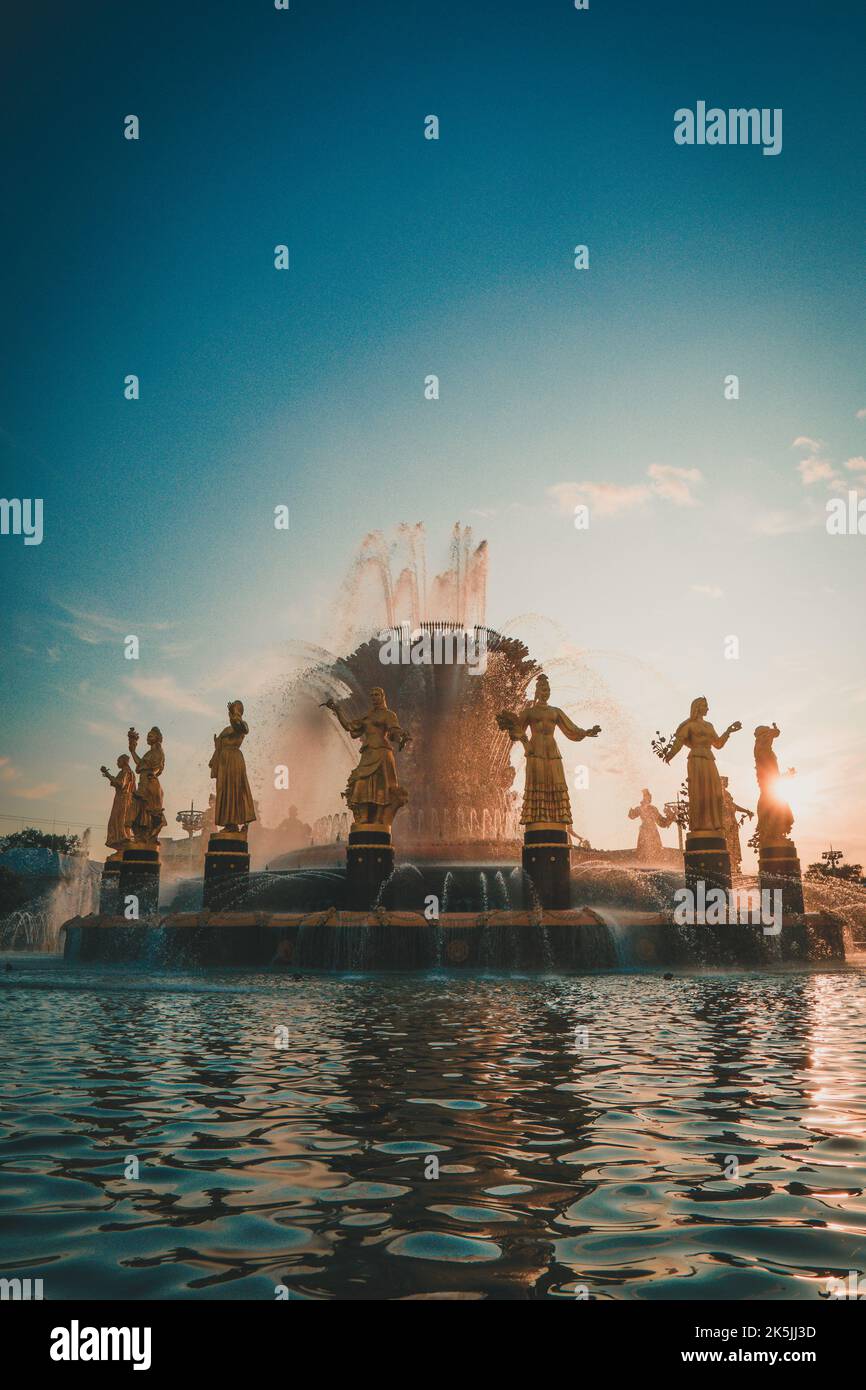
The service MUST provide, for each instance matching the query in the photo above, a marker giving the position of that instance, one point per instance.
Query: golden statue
(119, 833)
(372, 791)
(649, 841)
(706, 802)
(775, 817)
(545, 797)
(732, 826)
(233, 809)
(148, 816)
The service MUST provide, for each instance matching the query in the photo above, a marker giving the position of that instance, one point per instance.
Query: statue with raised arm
(118, 833)
(775, 817)
(706, 802)
(373, 792)
(233, 808)
(732, 826)
(148, 815)
(545, 797)
(649, 841)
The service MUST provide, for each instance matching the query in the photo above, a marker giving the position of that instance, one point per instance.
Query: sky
(410, 257)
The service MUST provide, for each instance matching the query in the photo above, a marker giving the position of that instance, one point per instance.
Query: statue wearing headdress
(545, 797)
(373, 792)
(233, 808)
(732, 826)
(775, 817)
(148, 815)
(649, 842)
(706, 802)
(119, 833)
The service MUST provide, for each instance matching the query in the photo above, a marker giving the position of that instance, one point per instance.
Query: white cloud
(605, 499)
(107, 731)
(856, 465)
(804, 442)
(708, 590)
(675, 484)
(164, 690)
(9, 773)
(784, 523)
(39, 792)
(97, 628)
(609, 499)
(815, 470)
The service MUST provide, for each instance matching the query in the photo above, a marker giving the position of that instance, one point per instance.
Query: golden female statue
(775, 817)
(706, 802)
(148, 816)
(649, 841)
(233, 809)
(732, 826)
(372, 791)
(545, 798)
(118, 833)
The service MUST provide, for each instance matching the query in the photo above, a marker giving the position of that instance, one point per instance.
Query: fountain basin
(572, 940)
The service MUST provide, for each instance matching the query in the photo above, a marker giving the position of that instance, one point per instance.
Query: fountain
(58, 887)
(433, 869)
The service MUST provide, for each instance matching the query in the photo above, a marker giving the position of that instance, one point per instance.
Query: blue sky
(409, 257)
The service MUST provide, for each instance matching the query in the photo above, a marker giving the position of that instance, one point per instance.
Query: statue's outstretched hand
(594, 731)
(735, 727)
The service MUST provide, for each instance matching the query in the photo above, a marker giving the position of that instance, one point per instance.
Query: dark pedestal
(139, 879)
(707, 861)
(226, 868)
(779, 868)
(547, 861)
(109, 888)
(369, 861)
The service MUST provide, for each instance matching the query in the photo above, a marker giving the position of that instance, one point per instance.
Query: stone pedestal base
(369, 861)
(707, 861)
(779, 867)
(547, 861)
(138, 878)
(226, 868)
(109, 888)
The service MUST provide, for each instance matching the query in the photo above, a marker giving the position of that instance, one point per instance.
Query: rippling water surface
(564, 1159)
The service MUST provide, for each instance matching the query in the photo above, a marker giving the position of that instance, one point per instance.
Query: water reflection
(432, 1136)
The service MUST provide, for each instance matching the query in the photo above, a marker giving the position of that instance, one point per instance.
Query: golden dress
(706, 802)
(649, 841)
(732, 830)
(148, 814)
(118, 833)
(234, 801)
(374, 781)
(545, 797)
